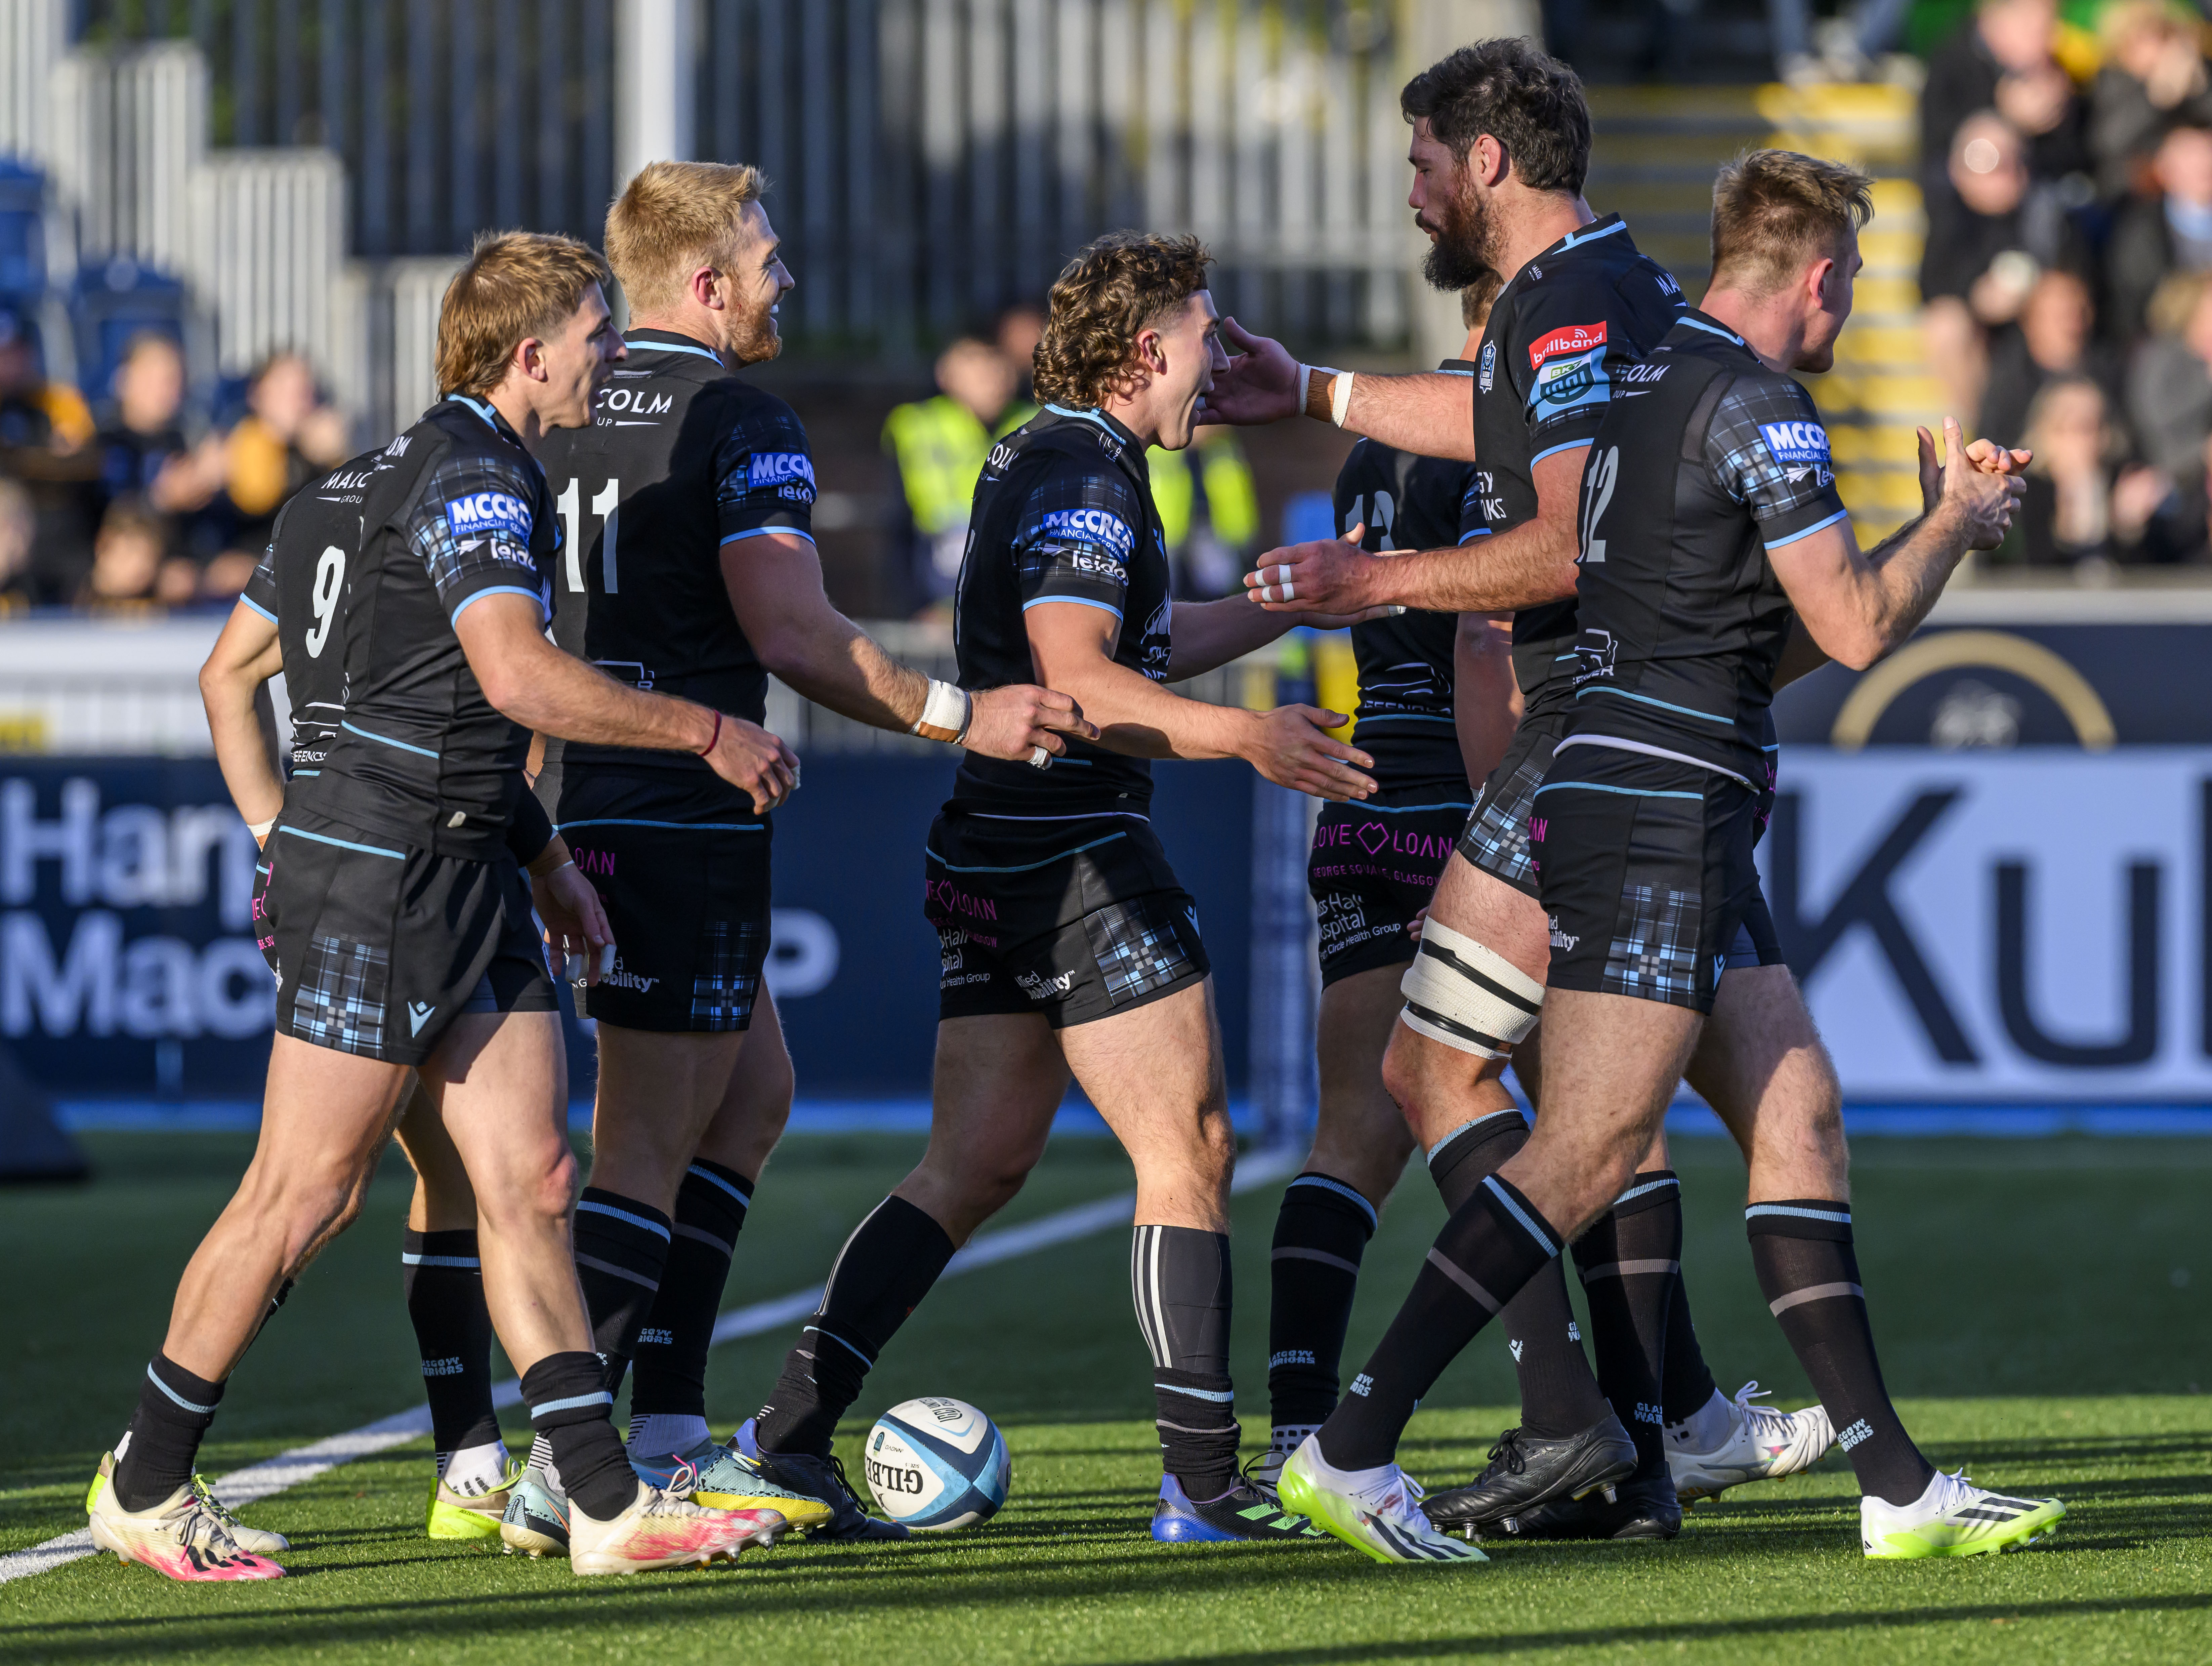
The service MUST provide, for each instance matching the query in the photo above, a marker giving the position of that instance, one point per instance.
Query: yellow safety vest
(1231, 504)
(939, 446)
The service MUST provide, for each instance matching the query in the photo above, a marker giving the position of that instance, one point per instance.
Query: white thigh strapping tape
(1464, 995)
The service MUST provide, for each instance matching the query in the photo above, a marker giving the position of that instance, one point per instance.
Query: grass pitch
(2041, 1306)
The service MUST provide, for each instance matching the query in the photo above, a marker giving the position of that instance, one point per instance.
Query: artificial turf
(2041, 1307)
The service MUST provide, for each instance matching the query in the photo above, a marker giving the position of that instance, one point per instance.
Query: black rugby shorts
(1374, 866)
(1648, 877)
(1076, 920)
(1496, 837)
(687, 900)
(378, 946)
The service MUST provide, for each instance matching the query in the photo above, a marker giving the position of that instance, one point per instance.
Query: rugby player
(402, 929)
(691, 569)
(1500, 149)
(1710, 520)
(285, 622)
(1069, 947)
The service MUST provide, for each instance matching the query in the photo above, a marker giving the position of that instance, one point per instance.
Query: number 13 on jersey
(606, 504)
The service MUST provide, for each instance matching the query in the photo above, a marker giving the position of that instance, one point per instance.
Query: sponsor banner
(2002, 927)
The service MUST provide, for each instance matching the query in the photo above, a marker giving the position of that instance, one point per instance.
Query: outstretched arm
(1429, 413)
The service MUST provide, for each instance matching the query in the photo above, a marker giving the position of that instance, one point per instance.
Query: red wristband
(713, 738)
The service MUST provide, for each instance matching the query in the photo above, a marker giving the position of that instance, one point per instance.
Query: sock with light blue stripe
(1179, 1281)
(157, 1456)
(622, 1248)
(1321, 1234)
(443, 1280)
(1492, 1246)
(669, 1376)
(571, 1408)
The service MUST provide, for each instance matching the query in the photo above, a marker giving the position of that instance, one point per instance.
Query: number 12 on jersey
(1599, 478)
(607, 505)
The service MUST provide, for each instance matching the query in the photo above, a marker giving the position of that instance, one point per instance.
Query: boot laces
(1506, 1456)
(1765, 1422)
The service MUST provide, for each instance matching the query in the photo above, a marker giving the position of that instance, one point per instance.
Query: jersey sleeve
(260, 591)
(1074, 536)
(1475, 514)
(764, 475)
(1767, 449)
(1569, 340)
(471, 523)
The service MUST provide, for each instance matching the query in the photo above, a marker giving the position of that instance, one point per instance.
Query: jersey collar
(670, 341)
(1458, 366)
(1691, 319)
(1100, 419)
(489, 413)
(1605, 226)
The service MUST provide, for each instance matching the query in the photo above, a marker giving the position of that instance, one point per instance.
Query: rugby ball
(935, 1464)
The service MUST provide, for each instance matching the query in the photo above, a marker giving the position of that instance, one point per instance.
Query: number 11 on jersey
(607, 505)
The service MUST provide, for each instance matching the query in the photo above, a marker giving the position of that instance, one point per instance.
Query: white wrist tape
(260, 830)
(1339, 399)
(1467, 997)
(945, 714)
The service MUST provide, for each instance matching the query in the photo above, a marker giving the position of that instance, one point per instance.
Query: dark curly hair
(1114, 287)
(1528, 102)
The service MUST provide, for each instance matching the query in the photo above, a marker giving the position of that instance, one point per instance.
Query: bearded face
(753, 336)
(1464, 235)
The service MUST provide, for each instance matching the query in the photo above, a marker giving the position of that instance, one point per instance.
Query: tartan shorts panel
(342, 993)
(727, 978)
(1143, 945)
(1653, 952)
(1496, 838)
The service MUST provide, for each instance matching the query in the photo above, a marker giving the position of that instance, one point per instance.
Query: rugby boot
(1376, 1512)
(818, 1478)
(1525, 1471)
(1762, 1443)
(662, 1529)
(254, 1541)
(463, 1515)
(1243, 1514)
(1954, 1517)
(725, 1479)
(1644, 1508)
(536, 1522)
(181, 1537)
(1264, 1473)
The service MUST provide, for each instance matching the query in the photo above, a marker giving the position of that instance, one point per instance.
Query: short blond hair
(517, 284)
(673, 218)
(1775, 211)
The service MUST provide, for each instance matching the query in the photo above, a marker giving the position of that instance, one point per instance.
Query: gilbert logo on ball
(934, 1464)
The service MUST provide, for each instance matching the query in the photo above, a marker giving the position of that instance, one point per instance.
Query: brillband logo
(1574, 338)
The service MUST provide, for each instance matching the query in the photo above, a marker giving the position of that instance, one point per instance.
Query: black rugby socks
(1559, 1395)
(1686, 1386)
(157, 1454)
(1321, 1231)
(1490, 1246)
(570, 1410)
(1631, 1259)
(444, 1282)
(1179, 1278)
(1801, 1248)
(670, 1371)
(881, 1274)
(622, 1247)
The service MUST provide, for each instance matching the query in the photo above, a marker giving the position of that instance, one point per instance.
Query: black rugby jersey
(300, 586)
(1560, 335)
(459, 512)
(681, 460)
(1708, 461)
(1406, 662)
(1063, 514)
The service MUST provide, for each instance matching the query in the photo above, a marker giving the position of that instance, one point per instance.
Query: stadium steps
(1653, 158)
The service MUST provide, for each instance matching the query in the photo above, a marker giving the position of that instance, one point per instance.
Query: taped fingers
(1467, 996)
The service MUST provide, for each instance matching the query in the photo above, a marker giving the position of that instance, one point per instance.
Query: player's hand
(1013, 722)
(1984, 454)
(1334, 578)
(747, 756)
(1979, 504)
(1291, 747)
(1416, 925)
(1260, 384)
(577, 929)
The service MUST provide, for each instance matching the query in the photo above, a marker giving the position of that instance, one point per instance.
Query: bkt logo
(1101, 525)
(1795, 442)
(774, 468)
(486, 512)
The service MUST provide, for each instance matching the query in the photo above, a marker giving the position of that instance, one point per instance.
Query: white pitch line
(303, 1463)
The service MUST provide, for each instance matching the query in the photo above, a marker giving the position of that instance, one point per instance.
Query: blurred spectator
(127, 559)
(288, 437)
(2054, 336)
(940, 445)
(1993, 230)
(2004, 60)
(2162, 520)
(19, 527)
(1209, 511)
(44, 430)
(2153, 80)
(2169, 388)
(2066, 520)
(1020, 329)
(2169, 232)
(143, 448)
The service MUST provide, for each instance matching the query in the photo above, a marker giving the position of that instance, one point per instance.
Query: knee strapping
(1467, 996)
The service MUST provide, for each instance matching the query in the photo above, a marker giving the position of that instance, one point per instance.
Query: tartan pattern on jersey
(749, 497)
(340, 999)
(1737, 453)
(1138, 945)
(725, 987)
(1654, 955)
(1496, 837)
(1066, 543)
(461, 564)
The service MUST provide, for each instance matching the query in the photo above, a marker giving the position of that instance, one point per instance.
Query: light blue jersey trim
(420, 752)
(762, 532)
(1341, 1190)
(1024, 867)
(1409, 809)
(1663, 705)
(1480, 531)
(479, 406)
(497, 590)
(703, 827)
(1572, 445)
(1074, 601)
(1619, 792)
(469, 1261)
(1781, 543)
(1081, 417)
(653, 1227)
(673, 347)
(344, 844)
(248, 601)
(1712, 330)
(1575, 240)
